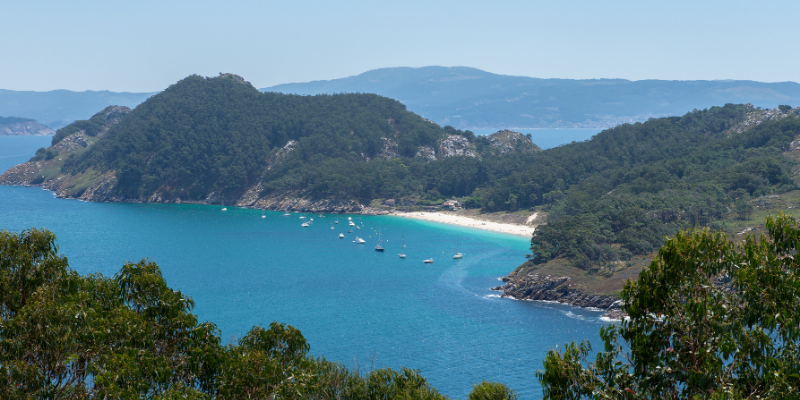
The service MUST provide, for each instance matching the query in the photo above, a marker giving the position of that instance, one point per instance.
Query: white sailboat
(379, 247)
(458, 255)
(403, 252)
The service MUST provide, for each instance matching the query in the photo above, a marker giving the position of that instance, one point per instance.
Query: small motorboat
(341, 236)
(428, 261)
(359, 240)
(351, 223)
(224, 209)
(358, 227)
(350, 231)
(302, 217)
(263, 216)
(331, 226)
(304, 224)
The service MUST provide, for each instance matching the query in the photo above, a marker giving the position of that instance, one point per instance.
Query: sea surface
(365, 309)
(547, 138)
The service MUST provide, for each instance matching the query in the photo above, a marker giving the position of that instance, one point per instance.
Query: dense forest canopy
(206, 134)
(631, 185)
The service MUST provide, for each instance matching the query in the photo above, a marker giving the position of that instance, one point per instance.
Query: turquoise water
(549, 138)
(354, 305)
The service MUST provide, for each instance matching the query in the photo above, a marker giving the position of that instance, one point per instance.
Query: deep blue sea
(353, 305)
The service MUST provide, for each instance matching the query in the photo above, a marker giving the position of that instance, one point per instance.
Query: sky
(144, 46)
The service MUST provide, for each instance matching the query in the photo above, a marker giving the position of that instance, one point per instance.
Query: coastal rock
(557, 288)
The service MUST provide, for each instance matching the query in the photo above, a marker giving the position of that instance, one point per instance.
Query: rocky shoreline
(557, 288)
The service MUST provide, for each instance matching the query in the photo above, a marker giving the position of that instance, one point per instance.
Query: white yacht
(359, 240)
(341, 236)
(428, 261)
(379, 247)
(403, 252)
(304, 224)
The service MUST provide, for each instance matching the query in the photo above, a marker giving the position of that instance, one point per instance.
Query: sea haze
(365, 309)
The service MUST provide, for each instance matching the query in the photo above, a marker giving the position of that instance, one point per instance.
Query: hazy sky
(143, 46)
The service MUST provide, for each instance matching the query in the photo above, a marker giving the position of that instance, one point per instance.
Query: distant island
(602, 206)
(13, 126)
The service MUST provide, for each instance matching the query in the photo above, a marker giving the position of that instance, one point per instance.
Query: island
(596, 211)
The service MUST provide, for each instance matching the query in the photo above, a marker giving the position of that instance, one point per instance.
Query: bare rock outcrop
(426, 153)
(455, 145)
(508, 141)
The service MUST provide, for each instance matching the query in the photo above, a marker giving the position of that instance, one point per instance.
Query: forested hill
(219, 140)
(611, 200)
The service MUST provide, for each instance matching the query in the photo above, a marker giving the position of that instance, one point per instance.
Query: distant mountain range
(58, 108)
(469, 98)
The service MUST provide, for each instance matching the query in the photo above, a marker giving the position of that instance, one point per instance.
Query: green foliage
(91, 126)
(631, 185)
(63, 336)
(491, 391)
(203, 135)
(785, 108)
(708, 319)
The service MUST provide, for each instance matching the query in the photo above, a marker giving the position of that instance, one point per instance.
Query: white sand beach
(446, 218)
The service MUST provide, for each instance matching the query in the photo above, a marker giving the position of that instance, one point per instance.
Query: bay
(365, 309)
